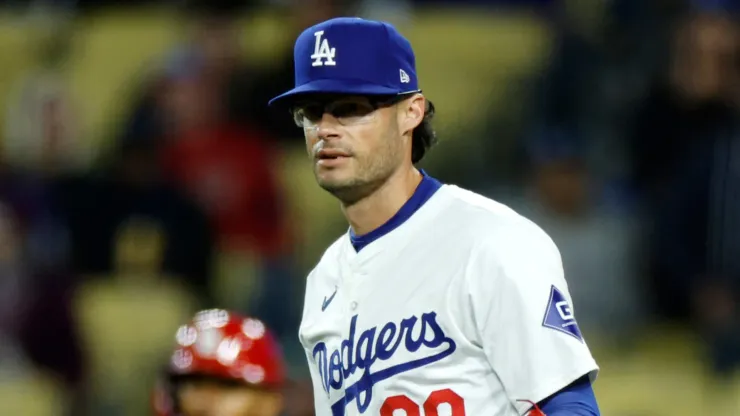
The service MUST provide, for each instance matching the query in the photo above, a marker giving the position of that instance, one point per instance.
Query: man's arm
(321, 403)
(578, 399)
(524, 317)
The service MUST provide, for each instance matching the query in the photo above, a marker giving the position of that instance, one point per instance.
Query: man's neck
(379, 207)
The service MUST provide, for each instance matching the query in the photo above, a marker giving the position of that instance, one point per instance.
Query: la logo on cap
(323, 53)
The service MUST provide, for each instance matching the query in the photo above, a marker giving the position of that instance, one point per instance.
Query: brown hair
(423, 137)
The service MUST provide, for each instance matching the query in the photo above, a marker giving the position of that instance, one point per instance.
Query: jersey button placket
(355, 282)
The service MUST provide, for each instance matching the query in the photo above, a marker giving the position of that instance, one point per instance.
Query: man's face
(356, 143)
(210, 398)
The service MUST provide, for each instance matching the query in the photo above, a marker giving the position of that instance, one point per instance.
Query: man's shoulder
(332, 255)
(503, 244)
(470, 209)
(491, 225)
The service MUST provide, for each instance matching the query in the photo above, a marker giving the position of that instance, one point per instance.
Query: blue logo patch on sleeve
(559, 315)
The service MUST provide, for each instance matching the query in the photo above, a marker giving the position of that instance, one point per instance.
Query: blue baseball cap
(354, 56)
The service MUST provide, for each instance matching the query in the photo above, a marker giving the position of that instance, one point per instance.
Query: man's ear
(411, 113)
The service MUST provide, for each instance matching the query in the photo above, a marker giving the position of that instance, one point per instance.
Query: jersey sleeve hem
(552, 386)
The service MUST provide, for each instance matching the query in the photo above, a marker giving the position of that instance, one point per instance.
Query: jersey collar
(426, 188)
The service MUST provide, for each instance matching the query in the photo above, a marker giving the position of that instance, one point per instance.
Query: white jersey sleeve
(320, 397)
(524, 319)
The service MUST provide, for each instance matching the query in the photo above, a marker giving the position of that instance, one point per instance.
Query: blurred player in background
(437, 300)
(224, 365)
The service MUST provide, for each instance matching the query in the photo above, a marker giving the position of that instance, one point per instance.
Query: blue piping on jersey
(427, 187)
(578, 399)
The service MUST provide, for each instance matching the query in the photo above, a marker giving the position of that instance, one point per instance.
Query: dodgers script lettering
(372, 345)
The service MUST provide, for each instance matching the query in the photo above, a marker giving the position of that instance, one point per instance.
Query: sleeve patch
(559, 315)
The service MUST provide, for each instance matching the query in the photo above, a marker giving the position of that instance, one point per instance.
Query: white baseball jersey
(461, 310)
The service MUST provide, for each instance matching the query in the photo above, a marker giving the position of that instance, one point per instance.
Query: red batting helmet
(224, 345)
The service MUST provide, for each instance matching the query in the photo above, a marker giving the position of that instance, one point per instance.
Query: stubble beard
(369, 175)
(359, 187)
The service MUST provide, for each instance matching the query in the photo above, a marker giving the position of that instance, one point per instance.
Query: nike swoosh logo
(326, 302)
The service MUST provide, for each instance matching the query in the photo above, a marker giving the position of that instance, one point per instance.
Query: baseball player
(437, 301)
(224, 365)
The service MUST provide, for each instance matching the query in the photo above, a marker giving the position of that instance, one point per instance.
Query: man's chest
(368, 298)
(381, 342)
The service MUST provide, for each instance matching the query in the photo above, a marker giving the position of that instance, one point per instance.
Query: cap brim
(330, 86)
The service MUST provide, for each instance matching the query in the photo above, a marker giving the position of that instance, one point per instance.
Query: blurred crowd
(623, 144)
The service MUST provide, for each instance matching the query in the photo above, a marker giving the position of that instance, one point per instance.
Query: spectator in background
(598, 242)
(252, 87)
(35, 313)
(99, 207)
(40, 149)
(687, 167)
(246, 86)
(211, 42)
(226, 163)
(14, 291)
(229, 168)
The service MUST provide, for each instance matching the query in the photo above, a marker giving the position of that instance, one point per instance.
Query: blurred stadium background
(141, 178)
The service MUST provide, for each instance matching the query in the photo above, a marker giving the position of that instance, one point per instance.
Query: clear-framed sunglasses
(348, 111)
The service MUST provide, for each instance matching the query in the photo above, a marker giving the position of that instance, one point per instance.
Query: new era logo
(559, 315)
(405, 79)
(323, 53)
